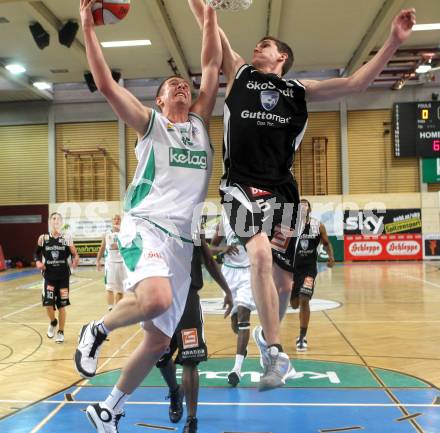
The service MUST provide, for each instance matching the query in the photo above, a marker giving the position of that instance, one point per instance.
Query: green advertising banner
(338, 250)
(431, 170)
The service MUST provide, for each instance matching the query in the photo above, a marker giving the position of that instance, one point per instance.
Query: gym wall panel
(24, 164)
(382, 201)
(130, 156)
(76, 136)
(431, 212)
(28, 232)
(216, 136)
(373, 168)
(321, 124)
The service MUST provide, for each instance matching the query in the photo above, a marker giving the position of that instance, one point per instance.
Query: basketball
(110, 11)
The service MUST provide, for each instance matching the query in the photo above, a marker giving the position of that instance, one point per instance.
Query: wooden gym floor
(389, 318)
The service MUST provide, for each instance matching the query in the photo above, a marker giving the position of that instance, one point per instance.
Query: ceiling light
(42, 85)
(15, 68)
(422, 27)
(423, 69)
(113, 44)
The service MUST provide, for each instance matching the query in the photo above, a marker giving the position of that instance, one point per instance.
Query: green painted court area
(310, 374)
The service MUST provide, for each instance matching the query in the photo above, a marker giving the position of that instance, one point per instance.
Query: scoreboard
(417, 129)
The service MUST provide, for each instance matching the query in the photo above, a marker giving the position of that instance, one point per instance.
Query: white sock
(116, 400)
(102, 328)
(238, 362)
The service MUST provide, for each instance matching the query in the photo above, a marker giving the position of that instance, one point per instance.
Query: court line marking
(423, 280)
(250, 404)
(61, 404)
(387, 321)
(336, 321)
(406, 418)
(340, 429)
(39, 303)
(376, 376)
(156, 427)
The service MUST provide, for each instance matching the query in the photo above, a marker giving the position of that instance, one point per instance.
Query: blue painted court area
(322, 397)
(18, 274)
(285, 410)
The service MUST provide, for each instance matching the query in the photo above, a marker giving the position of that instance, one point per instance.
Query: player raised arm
(401, 29)
(126, 106)
(231, 61)
(211, 60)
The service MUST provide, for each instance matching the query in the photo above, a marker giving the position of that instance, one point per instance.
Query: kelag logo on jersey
(196, 159)
(269, 99)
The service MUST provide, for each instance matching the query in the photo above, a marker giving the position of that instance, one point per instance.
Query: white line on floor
(38, 304)
(61, 404)
(165, 403)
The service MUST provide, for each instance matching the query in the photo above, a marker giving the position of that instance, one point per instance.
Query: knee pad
(244, 326)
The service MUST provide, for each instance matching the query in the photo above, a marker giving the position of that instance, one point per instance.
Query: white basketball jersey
(112, 253)
(171, 178)
(240, 260)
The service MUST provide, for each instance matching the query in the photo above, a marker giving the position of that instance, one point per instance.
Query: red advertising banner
(2, 260)
(386, 247)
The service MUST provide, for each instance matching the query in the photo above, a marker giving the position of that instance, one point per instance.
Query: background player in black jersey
(189, 340)
(305, 270)
(53, 250)
(265, 120)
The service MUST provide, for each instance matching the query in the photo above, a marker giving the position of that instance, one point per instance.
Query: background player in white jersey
(305, 270)
(265, 119)
(174, 160)
(236, 270)
(114, 266)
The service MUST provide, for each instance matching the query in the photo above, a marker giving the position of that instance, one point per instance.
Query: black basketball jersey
(56, 252)
(265, 118)
(307, 250)
(196, 269)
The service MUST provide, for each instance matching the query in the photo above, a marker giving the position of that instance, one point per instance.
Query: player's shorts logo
(281, 238)
(256, 192)
(189, 338)
(308, 282)
(269, 99)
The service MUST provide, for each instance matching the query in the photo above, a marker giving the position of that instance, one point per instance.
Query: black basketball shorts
(303, 284)
(188, 338)
(56, 293)
(273, 211)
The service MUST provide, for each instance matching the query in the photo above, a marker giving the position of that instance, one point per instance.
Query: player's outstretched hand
(330, 262)
(403, 23)
(85, 11)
